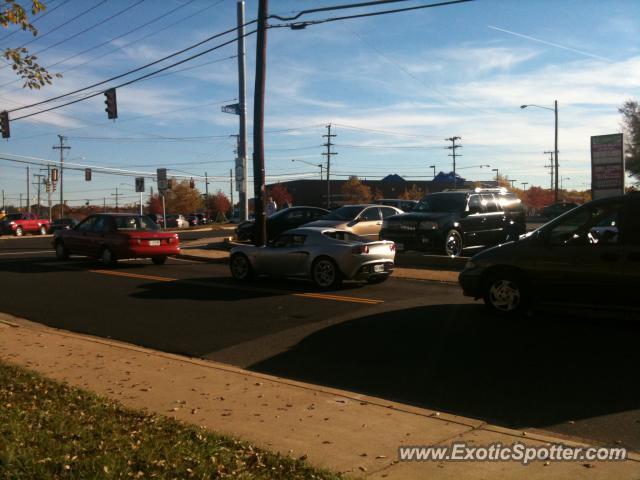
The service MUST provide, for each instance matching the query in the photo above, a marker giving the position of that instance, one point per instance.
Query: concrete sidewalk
(339, 430)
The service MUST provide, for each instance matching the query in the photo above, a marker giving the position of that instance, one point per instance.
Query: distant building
(314, 192)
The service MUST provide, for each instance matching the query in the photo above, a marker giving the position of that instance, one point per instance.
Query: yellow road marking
(317, 296)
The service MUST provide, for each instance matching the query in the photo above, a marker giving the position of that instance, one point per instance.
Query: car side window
(593, 225)
(87, 225)
(475, 204)
(489, 203)
(370, 215)
(387, 212)
(297, 240)
(296, 215)
(281, 241)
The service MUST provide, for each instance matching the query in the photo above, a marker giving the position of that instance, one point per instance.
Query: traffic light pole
(62, 148)
(258, 125)
(242, 101)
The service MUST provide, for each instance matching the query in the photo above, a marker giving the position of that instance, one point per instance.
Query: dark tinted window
(345, 236)
(489, 202)
(134, 222)
(475, 203)
(87, 224)
(13, 216)
(296, 214)
(387, 212)
(370, 215)
(289, 240)
(442, 202)
(315, 214)
(591, 225)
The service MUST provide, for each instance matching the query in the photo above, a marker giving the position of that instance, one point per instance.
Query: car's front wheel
(453, 245)
(108, 258)
(43, 229)
(61, 251)
(506, 294)
(240, 267)
(325, 273)
(19, 232)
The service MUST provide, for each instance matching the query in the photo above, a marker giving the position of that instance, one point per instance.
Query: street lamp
(524, 185)
(512, 182)
(310, 163)
(496, 170)
(434, 170)
(555, 112)
(562, 179)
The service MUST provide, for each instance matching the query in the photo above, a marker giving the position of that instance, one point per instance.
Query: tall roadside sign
(607, 165)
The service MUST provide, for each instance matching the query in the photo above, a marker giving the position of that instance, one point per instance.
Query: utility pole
(48, 185)
(62, 147)
(116, 195)
(231, 187)
(206, 186)
(242, 102)
(38, 184)
(551, 166)
(258, 124)
(104, 204)
(20, 202)
(28, 191)
(557, 165)
(453, 154)
(3, 205)
(328, 154)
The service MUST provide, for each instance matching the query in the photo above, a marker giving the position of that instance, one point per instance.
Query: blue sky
(394, 87)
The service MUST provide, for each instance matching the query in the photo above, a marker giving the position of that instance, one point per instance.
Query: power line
(191, 47)
(54, 29)
(35, 20)
(127, 82)
(392, 147)
(109, 40)
(386, 132)
(334, 7)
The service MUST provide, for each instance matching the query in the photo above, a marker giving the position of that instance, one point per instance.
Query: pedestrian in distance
(272, 207)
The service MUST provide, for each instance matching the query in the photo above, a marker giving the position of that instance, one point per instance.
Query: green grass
(51, 430)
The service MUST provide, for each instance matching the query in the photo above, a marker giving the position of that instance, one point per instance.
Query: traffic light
(192, 183)
(4, 124)
(54, 175)
(110, 102)
(87, 174)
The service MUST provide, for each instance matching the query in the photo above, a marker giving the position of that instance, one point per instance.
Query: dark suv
(451, 221)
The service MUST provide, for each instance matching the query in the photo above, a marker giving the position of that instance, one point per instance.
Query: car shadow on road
(459, 359)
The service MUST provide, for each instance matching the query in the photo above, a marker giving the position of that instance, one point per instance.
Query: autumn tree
(377, 194)
(183, 199)
(280, 195)
(538, 197)
(154, 205)
(414, 193)
(355, 191)
(630, 111)
(24, 64)
(219, 205)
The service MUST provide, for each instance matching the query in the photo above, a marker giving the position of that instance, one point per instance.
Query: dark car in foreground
(552, 211)
(281, 221)
(588, 257)
(450, 222)
(112, 237)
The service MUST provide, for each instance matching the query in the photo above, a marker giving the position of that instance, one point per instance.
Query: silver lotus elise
(326, 255)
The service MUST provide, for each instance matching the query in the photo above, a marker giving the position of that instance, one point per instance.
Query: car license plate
(399, 247)
(154, 243)
(378, 268)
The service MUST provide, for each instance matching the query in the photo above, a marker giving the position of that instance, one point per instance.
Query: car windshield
(344, 213)
(134, 222)
(13, 216)
(441, 202)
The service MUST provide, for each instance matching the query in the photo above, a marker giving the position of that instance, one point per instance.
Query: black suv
(449, 222)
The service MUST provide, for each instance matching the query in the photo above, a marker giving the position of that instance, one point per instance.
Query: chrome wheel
(240, 267)
(324, 273)
(453, 244)
(19, 232)
(43, 230)
(505, 295)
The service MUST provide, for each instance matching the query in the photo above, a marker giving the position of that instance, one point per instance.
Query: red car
(112, 237)
(20, 223)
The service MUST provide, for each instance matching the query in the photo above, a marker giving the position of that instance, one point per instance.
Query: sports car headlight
(428, 225)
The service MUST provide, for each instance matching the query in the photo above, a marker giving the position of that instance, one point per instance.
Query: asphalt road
(421, 343)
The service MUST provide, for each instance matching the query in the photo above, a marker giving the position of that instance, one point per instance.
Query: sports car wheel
(241, 268)
(19, 232)
(505, 294)
(43, 230)
(325, 273)
(453, 243)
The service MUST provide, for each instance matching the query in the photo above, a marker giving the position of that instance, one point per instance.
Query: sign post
(607, 166)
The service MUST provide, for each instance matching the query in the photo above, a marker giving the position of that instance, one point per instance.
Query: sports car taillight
(360, 249)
